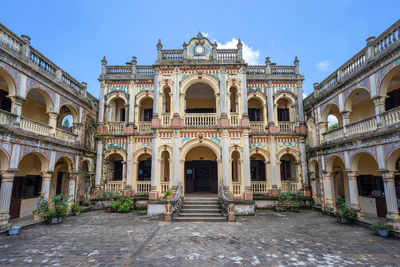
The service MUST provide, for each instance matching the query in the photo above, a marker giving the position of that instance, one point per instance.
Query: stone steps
(200, 210)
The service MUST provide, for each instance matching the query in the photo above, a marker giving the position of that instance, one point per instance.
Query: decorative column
(225, 159)
(391, 199)
(245, 111)
(379, 103)
(154, 168)
(248, 195)
(300, 102)
(156, 119)
(16, 107)
(304, 163)
(328, 189)
(46, 181)
(323, 125)
(313, 184)
(99, 163)
(272, 162)
(53, 122)
(72, 187)
(129, 158)
(222, 87)
(134, 174)
(132, 100)
(345, 120)
(7, 179)
(353, 188)
(175, 159)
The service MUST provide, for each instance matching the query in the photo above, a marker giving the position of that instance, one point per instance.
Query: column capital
(387, 175)
(351, 175)
(345, 114)
(17, 100)
(327, 175)
(7, 176)
(46, 176)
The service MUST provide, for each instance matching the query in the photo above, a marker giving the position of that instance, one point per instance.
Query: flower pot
(108, 209)
(76, 213)
(14, 230)
(53, 220)
(384, 233)
(60, 219)
(345, 220)
(294, 209)
(280, 208)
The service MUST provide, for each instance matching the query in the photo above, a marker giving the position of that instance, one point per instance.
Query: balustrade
(172, 55)
(114, 186)
(144, 126)
(256, 70)
(145, 70)
(283, 70)
(65, 135)
(289, 186)
(34, 126)
(259, 187)
(257, 126)
(119, 69)
(200, 119)
(143, 187)
(236, 189)
(286, 126)
(10, 40)
(166, 119)
(234, 119)
(333, 134)
(387, 39)
(116, 127)
(391, 117)
(361, 126)
(164, 187)
(44, 64)
(353, 65)
(227, 54)
(71, 82)
(7, 118)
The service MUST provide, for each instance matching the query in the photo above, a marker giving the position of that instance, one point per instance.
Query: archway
(288, 168)
(200, 98)
(62, 170)
(255, 109)
(67, 118)
(360, 105)
(144, 170)
(37, 106)
(117, 110)
(5, 101)
(146, 109)
(165, 166)
(257, 168)
(201, 171)
(167, 100)
(315, 181)
(390, 87)
(236, 167)
(233, 99)
(114, 167)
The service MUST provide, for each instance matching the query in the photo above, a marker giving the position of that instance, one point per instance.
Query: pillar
(129, 176)
(175, 159)
(300, 101)
(46, 181)
(7, 179)
(353, 188)
(246, 160)
(304, 163)
(243, 85)
(391, 199)
(225, 159)
(156, 95)
(16, 107)
(101, 103)
(53, 122)
(132, 100)
(345, 120)
(270, 104)
(379, 103)
(328, 189)
(313, 184)
(99, 163)
(154, 168)
(272, 162)
(71, 188)
(176, 93)
(222, 88)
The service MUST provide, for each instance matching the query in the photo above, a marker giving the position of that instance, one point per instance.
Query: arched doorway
(201, 171)
(114, 164)
(200, 98)
(62, 171)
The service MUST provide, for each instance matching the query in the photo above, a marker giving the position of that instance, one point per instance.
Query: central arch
(201, 171)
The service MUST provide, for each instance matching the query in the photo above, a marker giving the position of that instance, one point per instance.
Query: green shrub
(76, 208)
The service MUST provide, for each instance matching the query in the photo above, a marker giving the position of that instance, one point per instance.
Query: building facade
(201, 117)
(359, 156)
(47, 123)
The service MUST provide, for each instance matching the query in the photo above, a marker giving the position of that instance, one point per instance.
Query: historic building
(358, 156)
(201, 117)
(47, 123)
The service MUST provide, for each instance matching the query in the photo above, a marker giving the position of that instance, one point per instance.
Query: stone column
(313, 184)
(222, 88)
(16, 107)
(101, 103)
(270, 104)
(225, 159)
(154, 168)
(46, 181)
(353, 188)
(323, 125)
(156, 94)
(272, 161)
(300, 101)
(134, 174)
(53, 122)
(129, 158)
(99, 163)
(7, 179)
(391, 199)
(243, 85)
(71, 188)
(132, 100)
(246, 160)
(328, 189)
(379, 103)
(175, 159)
(345, 120)
(304, 163)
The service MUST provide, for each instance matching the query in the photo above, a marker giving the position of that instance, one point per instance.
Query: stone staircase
(200, 210)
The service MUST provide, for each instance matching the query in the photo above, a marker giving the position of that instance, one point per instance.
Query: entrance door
(16, 195)
(201, 176)
(189, 177)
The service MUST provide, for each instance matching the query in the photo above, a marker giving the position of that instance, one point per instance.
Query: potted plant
(283, 202)
(382, 228)
(41, 208)
(346, 215)
(76, 209)
(168, 194)
(294, 205)
(52, 216)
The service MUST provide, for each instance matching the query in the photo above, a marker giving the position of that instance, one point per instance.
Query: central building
(201, 117)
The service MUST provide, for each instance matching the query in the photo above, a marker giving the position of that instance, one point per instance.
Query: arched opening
(288, 168)
(370, 185)
(201, 173)
(257, 168)
(338, 179)
(144, 170)
(200, 98)
(5, 101)
(233, 99)
(255, 109)
(360, 105)
(67, 118)
(117, 110)
(114, 163)
(236, 167)
(167, 100)
(4, 163)
(393, 164)
(36, 106)
(315, 182)
(62, 171)
(146, 109)
(165, 163)
(332, 115)
(283, 109)
(27, 185)
(391, 86)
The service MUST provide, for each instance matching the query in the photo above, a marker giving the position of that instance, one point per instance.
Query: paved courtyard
(268, 239)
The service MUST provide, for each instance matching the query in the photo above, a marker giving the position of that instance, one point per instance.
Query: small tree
(66, 123)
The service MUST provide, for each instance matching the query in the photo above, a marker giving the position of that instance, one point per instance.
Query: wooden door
(214, 177)
(16, 195)
(189, 177)
(381, 210)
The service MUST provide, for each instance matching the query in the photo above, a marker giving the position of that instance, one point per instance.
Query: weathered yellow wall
(362, 111)
(368, 205)
(27, 206)
(200, 103)
(367, 166)
(29, 165)
(35, 110)
(200, 153)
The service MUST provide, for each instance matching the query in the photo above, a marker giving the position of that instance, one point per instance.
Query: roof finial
(199, 35)
(159, 45)
(239, 44)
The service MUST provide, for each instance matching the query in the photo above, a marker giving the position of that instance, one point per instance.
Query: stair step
(200, 210)
(200, 199)
(200, 219)
(191, 202)
(200, 214)
(200, 206)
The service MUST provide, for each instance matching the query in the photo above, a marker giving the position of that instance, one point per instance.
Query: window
(5, 102)
(283, 114)
(370, 186)
(286, 173)
(117, 173)
(31, 186)
(122, 115)
(144, 170)
(254, 114)
(148, 114)
(393, 99)
(257, 170)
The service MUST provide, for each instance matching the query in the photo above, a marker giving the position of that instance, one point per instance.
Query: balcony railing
(391, 117)
(257, 126)
(34, 126)
(227, 54)
(65, 135)
(289, 186)
(166, 119)
(7, 118)
(333, 134)
(286, 126)
(116, 127)
(200, 119)
(237, 189)
(259, 187)
(164, 187)
(143, 187)
(115, 186)
(234, 119)
(144, 126)
(361, 126)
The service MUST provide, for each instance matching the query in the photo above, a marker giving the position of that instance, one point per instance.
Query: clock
(199, 49)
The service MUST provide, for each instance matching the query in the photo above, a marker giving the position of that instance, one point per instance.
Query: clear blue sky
(77, 34)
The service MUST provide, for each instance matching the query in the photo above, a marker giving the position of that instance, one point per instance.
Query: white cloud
(204, 34)
(250, 55)
(323, 65)
(332, 120)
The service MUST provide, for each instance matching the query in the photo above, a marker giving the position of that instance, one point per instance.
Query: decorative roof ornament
(159, 45)
(296, 60)
(239, 44)
(199, 35)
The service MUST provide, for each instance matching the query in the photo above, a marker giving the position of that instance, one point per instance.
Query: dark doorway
(257, 170)
(59, 182)
(144, 170)
(201, 176)
(16, 195)
(122, 115)
(283, 114)
(117, 175)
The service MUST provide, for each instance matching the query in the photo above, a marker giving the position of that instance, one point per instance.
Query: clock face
(199, 49)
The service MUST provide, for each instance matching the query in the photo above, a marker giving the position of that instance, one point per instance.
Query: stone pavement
(307, 238)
